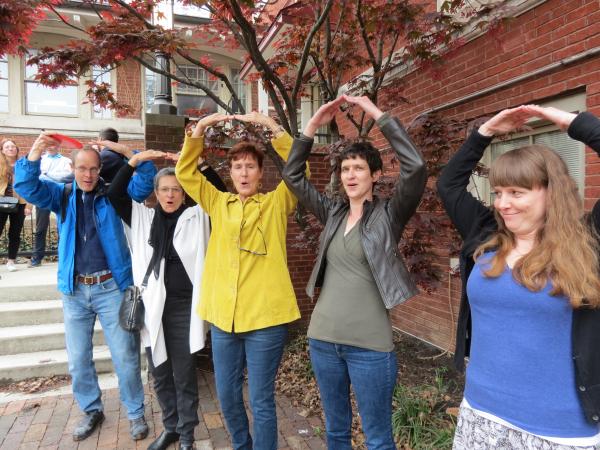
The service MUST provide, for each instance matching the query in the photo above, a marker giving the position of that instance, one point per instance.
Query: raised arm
(118, 189)
(464, 210)
(191, 179)
(42, 193)
(294, 171)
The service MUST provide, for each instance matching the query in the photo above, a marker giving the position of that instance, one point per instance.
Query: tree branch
(196, 84)
(307, 45)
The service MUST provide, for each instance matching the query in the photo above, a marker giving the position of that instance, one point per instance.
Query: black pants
(175, 381)
(14, 230)
(42, 220)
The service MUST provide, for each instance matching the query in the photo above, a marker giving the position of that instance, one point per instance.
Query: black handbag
(132, 311)
(9, 204)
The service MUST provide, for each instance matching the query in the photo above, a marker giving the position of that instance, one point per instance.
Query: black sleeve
(586, 128)
(213, 177)
(466, 212)
(117, 193)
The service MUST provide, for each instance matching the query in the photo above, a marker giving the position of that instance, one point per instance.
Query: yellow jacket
(242, 291)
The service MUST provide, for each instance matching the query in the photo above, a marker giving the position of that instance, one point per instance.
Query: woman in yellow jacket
(247, 294)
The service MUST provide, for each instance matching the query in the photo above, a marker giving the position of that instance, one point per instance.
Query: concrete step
(28, 284)
(14, 314)
(46, 363)
(36, 338)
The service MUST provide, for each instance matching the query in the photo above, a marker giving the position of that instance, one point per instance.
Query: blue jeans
(80, 311)
(373, 377)
(260, 351)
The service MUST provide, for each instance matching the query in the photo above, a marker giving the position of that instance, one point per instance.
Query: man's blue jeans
(80, 310)
(373, 377)
(260, 351)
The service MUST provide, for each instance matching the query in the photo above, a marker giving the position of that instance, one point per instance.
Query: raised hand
(148, 155)
(209, 121)
(365, 104)
(324, 115)
(122, 149)
(561, 118)
(42, 142)
(506, 121)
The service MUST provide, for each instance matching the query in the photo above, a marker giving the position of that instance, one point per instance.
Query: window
(44, 100)
(100, 75)
(309, 107)
(150, 88)
(3, 85)
(192, 101)
(572, 152)
(240, 89)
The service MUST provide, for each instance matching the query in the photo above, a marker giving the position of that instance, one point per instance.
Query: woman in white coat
(168, 242)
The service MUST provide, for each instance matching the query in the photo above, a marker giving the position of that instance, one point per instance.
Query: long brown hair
(566, 249)
(5, 169)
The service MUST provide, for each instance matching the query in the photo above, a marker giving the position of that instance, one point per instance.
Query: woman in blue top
(531, 290)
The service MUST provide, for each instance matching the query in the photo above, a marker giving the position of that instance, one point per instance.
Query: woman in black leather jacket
(529, 317)
(360, 274)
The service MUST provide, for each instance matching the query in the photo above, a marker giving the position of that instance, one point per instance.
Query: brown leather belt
(89, 279)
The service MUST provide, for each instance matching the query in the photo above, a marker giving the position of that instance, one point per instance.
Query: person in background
(112, 154)
(360, 273)
(247, 294)
(530, 310)
(53, 167)
(8, 159)
(94, 269)
(170, 241)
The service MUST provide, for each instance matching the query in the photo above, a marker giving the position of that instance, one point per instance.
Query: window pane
(195, 105)
(3, 103)
(570, 151)
(44, 100)
(150, 86)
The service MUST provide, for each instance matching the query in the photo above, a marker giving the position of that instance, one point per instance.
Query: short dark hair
(108, 134)
(366, 151)
(246, 148)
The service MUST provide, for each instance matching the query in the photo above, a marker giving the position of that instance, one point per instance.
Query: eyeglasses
(91, 170)
(166, 190)
(259, 228)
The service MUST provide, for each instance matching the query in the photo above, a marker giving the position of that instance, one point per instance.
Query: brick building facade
(549, 54)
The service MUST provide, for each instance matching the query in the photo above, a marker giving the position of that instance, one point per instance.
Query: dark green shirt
(350, 309)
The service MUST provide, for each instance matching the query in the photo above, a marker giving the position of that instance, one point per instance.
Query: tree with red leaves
(352, 44)
(18, 19)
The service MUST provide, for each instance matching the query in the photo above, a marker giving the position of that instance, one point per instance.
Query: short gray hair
(164, 172)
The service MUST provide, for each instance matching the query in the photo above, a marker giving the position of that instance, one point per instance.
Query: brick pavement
(47, 423)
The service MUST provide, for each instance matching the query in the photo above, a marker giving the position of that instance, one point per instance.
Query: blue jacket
(48, 195)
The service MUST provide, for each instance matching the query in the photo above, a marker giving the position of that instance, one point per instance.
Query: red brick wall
(129, 89)
(547, 34)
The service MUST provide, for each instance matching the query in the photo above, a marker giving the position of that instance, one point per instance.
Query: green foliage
(420, 419)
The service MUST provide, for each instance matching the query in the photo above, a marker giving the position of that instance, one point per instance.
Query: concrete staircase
(32, 342)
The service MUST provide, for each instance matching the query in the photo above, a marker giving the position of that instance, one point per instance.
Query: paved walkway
(47, 423)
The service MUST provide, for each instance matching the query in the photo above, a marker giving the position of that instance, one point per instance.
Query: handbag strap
(148, 272)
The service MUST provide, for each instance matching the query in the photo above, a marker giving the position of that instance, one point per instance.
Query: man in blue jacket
(93, 271)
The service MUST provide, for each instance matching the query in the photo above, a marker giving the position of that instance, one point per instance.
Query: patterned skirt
(474, 432)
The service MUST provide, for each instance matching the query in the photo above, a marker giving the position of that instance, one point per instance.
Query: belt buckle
(89, 280)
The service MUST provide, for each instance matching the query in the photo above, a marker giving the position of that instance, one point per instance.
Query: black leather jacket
(475, 223)
(382, 221)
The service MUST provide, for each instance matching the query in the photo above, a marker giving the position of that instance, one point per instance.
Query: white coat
(190, 240)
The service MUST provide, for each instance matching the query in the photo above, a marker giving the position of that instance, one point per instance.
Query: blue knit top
(521, 369)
